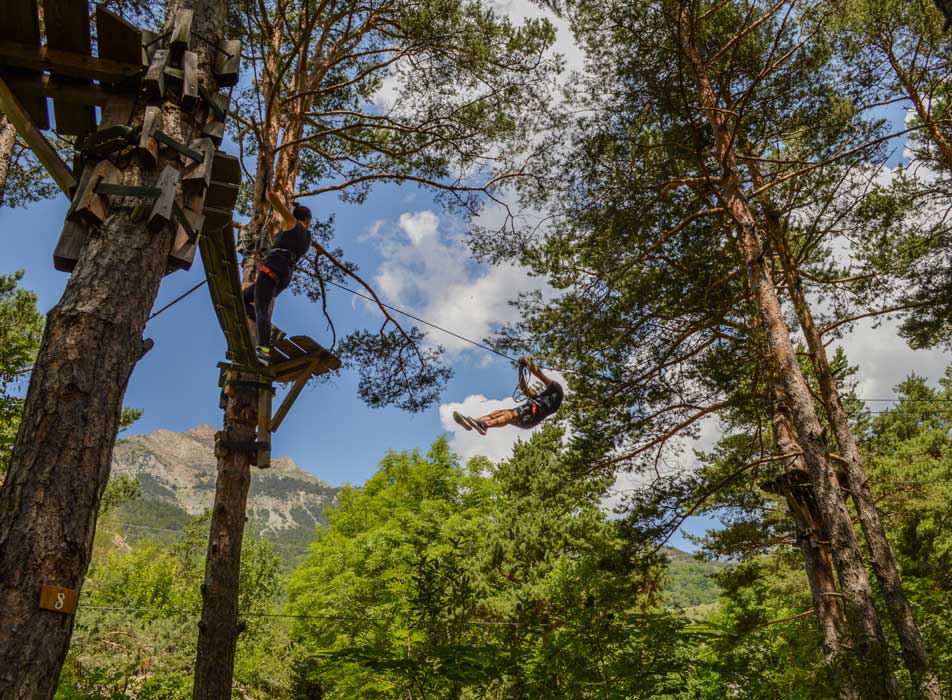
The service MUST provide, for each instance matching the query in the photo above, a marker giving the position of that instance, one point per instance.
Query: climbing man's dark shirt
(296, 241)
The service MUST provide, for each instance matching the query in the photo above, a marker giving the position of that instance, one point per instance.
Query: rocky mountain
(177, 473)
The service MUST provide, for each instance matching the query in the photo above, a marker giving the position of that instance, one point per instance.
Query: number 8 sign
(58, 599)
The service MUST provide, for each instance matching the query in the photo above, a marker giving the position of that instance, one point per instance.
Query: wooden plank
(214, 126)
(117, 39)
(67, 29)
(310, 345)
(288, 348)
(224, 287)
(149, 46)
(221, 195)
(226, 168)
(189, 80)
(43, 58)
(88, 205)
(263, 458)
(70, 245)
(154, 80)
(106, 141)
(227, 64)
(41, 148)
(289, 400)
(161, 212)
(43, 86)
(58, 599)
(184, 245)
(151, 122)
(21, 24)
(117, 110)
(199, 175)
(181, 32)
(216, 219)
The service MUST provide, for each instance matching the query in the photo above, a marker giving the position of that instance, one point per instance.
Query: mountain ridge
(179, 469)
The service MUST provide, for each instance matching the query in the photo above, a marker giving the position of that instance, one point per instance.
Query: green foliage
(21, 328)
(135, 629)
(505, 582)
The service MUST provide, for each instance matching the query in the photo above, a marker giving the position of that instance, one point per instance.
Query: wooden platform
(61, 65)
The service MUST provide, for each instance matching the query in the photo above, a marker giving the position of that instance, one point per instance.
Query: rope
(426, 323)
(176, 300)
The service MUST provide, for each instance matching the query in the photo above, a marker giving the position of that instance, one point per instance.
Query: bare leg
(498, 419)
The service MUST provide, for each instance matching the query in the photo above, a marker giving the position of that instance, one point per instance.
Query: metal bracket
(186, 224)
(222, 446)
(250, 385)
(162, 137)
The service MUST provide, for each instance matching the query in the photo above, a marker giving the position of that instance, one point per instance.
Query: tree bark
(219, 628)
(61, 459)
(837, 646)
(8, 137)
(877, 682)
(881, 555)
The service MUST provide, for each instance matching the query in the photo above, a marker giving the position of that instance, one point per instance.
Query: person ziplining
(275, 271)
(533, 411)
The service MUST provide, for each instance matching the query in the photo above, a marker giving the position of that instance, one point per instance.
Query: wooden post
(70, 244)
(189, 80)
(181, 32)
(154, 81)
(151, 122)
(161, 212)
(227, 64)
(89, 205)
(263, 458)
(199, 175)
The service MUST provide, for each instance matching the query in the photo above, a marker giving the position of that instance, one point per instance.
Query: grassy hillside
(690, 581)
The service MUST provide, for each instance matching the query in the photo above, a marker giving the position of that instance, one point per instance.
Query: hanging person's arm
(287, 218)
(535, 370)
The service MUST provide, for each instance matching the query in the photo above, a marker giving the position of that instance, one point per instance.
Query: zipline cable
(425, 322)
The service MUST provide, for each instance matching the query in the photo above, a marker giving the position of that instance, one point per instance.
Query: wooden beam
(263, 458)
(181, 32)
(41, 148)
(289, 400)
(67, 29)
(66, 63)
(44, 86)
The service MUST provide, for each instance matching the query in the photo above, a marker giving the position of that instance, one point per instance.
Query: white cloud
(884, 360)
(429, 271)
(496, 445)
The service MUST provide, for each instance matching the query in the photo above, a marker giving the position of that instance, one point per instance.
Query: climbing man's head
(301, 213)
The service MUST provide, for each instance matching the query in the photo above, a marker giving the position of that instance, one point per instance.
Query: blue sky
(412, 252)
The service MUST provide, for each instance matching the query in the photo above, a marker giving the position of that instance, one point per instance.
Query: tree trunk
(877, 682)
(219, 629)
(61, 458)
(881, 554)
(837, 647)
(8, 137)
